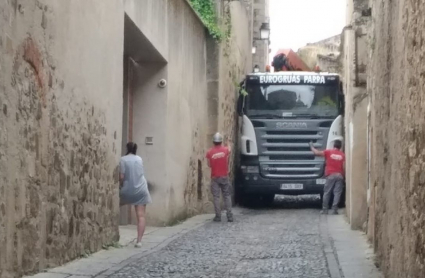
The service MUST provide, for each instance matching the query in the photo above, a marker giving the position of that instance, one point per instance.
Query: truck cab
(282, 113)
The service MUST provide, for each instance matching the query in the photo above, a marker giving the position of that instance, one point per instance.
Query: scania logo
(291, 125)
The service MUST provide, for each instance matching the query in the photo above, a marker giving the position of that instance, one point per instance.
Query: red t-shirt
(218, 158)
(334, 162)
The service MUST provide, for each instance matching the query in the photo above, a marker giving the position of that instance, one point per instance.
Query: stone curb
(352, 251)
(134, 258)
(331, 256)
(106, 262)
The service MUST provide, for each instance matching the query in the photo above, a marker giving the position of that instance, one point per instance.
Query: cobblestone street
(288, 239)
(261, 244)
(273, 242)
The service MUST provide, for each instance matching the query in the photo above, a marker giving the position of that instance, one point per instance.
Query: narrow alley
(287, 240)
(212, 138)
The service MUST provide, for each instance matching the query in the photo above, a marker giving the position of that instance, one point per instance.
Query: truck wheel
(238, 195)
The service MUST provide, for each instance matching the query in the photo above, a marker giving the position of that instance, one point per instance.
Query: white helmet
(217, 138)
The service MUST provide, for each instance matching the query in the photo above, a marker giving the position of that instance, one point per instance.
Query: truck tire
(238, 195)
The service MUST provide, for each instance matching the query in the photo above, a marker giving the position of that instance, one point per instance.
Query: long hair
(131, 148)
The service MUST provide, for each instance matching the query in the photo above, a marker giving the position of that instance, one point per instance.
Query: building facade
(384, 123)
(324, 54)
(261, 48)
(356, 117)
(79, 80)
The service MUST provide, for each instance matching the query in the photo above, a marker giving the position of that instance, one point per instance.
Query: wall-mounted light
(254, 49)
(265, 31)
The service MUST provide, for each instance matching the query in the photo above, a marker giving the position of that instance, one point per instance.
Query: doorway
(127, 213)
(144, 106)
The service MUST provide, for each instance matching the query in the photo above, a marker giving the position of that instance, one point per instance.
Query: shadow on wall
(152, 187)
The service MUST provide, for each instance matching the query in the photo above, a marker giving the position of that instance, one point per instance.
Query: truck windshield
(293, 100)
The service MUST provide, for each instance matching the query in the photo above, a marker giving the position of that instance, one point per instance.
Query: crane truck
(281, 113)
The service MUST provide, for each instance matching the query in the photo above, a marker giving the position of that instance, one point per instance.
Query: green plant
(114, 244)
(207, 13)
(241, 89)
(85, 254)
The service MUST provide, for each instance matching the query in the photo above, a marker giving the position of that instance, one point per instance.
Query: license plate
(320, 181)
(292, 186)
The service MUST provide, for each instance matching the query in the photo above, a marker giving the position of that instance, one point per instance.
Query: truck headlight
(250, 169)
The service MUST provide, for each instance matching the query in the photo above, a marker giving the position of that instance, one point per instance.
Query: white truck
(282, 113)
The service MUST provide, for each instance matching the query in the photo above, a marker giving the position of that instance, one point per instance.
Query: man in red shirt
(218, 161)
(334, 172)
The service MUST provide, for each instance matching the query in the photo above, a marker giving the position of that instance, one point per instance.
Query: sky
(294, 23)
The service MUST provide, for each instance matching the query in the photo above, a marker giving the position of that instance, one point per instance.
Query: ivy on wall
(228, 30)
(207, 13)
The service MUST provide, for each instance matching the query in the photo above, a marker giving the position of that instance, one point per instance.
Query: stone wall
(260, 16)
(235, 64)
(186, 114)
(60, 98)
(323, 53)
(78, 81)
(355, 60)
(329, 63)
(198, 100)
(215, 111)
(398, 157)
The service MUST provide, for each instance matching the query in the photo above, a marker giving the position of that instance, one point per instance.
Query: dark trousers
(334, 183)
(221, 185)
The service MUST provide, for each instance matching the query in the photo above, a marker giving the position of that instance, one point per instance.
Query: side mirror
(240, 104)
(341, 99)
(241, 100)
(342, 104)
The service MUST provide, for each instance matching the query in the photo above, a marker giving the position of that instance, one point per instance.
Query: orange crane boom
(288, 60)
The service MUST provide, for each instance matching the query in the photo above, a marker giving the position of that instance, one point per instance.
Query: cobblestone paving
(262, 243)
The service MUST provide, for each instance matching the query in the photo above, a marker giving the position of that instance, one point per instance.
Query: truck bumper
(256, 184)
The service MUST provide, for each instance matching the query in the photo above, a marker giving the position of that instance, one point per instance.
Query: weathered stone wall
(398, 105)
(198, 100)
(235, 64)
(60, 98)
(186, 113)
(260, 16)
(355, 59)
(322, 53)
(212, 110)
(328, 63)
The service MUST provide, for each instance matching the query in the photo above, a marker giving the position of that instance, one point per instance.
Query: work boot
(217, 218)
(324, 211)
(334, 212)
(230, 217)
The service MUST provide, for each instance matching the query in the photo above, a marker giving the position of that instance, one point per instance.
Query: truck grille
(291, 132)
(291, 157)
(285, 153)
